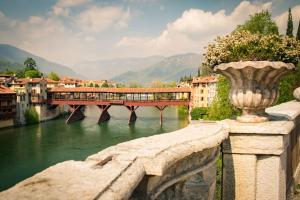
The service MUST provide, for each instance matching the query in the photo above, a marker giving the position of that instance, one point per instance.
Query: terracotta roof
(5, 90)
(205, 79)
(120, 90)
(29, 80)
(50, 80)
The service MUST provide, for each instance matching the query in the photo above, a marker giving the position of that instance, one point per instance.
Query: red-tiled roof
(205, 79)
(120, 90)
(50, 80)
(5, 90)
(29, 80)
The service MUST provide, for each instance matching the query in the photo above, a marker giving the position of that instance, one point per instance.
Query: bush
(245, 46)
(199, 113)
(33, 74)
(221, 107)
(31, 116)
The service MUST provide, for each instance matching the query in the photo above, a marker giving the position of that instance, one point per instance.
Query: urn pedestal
(254, 86)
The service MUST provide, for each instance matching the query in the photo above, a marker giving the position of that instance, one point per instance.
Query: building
(203, 90)
(67, 82)
(7, 107)
(32, 92)
(51, 83)
(5, 80)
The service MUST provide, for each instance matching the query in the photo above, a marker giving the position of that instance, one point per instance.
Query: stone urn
(297, 94)
(254, 86)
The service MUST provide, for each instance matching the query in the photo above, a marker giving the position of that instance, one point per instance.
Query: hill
(107, 69)
(169, 69)
(12, 58)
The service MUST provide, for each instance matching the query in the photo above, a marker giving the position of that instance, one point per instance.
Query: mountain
(107, 69)
(12, 58)
(169, 69)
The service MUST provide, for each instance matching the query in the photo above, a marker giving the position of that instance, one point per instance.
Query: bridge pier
(133, 115)
(161, 109)
(105, 116)
(76, 114)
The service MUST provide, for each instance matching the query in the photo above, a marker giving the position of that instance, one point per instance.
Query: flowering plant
(245, 46)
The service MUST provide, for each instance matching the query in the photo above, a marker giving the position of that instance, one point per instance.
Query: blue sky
(71, 31)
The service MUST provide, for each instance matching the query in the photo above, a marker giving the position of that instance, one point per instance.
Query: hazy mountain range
(141, 70)
(12, 58)
(168, 69)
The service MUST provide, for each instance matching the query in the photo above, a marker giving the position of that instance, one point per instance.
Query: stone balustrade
(260, 161)
(167, 166)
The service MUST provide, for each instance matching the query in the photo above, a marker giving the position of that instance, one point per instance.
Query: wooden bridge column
(76, 114)
(133, 115)
(105, 116)
(161, 109)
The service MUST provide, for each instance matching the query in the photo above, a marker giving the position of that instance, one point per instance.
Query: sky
(73, 31)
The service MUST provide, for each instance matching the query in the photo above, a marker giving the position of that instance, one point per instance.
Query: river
(27, 150)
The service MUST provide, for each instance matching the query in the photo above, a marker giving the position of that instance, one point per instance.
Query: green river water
(27, 150)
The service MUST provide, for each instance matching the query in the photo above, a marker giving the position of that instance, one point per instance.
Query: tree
(91, 85)
(259, 23)
(298, 32)
(289, 29)
(96, 85)
(198, 74)
(20, 74)
(53, 76)
(33, 74)
(30, 64)
(105, 85)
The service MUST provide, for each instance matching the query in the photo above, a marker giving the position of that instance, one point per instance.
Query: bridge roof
(120, 90)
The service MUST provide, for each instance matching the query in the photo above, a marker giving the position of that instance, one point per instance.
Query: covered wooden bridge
(104, 98)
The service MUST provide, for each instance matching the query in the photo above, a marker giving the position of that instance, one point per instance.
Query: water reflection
(27, 150)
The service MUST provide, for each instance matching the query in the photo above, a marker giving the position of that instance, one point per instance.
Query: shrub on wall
(198, 113)
(31, 116)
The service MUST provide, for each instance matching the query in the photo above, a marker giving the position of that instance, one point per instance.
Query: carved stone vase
(254, 86)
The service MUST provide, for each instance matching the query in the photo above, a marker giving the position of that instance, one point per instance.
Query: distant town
(25, 100)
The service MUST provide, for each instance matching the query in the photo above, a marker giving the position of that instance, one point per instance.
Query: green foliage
(298, 32)
(31, 116)
(206, 70)
(198, 73)
(96, 85)
(289, 29)
(218, 193)
(104, 85)
(160, 84)
(287, 85)
(259, 23)
(120, 85)
(199, 113)
(54, 76)
(30, 64)
(245, 46)
(91, 85)
(186, 78)
(134, 85)
(221, 107)
(20, 74)
(33, 74)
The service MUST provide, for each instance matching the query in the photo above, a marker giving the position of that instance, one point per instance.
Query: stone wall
(176, 165)
(261, 160)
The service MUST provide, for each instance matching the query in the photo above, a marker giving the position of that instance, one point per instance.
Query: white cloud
(281, 20)
(61, 8)
(192, 31)
(98, 18)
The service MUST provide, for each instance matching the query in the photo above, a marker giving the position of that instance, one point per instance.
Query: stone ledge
(289, 110)
(115, 172)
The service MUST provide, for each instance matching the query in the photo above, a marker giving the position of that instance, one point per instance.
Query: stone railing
(260, 161)
(177, 165)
